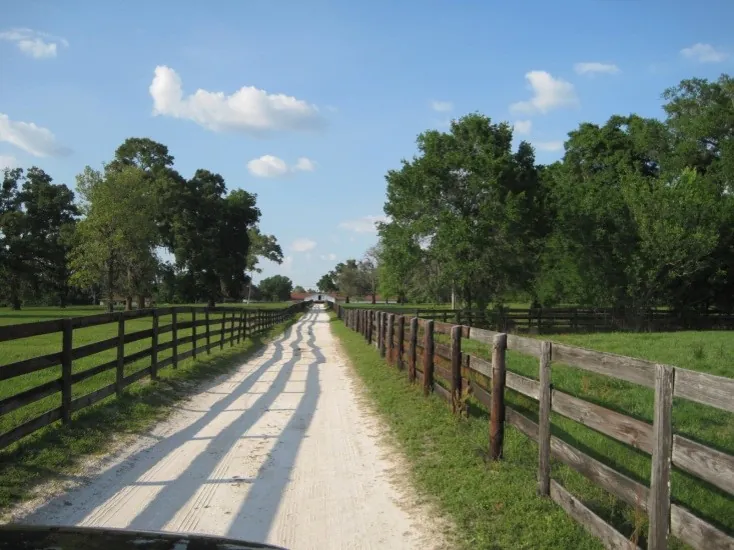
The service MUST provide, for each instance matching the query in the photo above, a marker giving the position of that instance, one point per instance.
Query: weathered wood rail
(232, 325)
(445, 369)
(575, 319)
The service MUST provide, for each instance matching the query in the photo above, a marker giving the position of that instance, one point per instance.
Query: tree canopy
(638, 213)
(130, 212)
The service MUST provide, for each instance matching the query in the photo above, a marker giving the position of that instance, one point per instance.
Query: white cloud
(704, 53)
(523, 126)
(442, 106)
(8, 161)
(248, 110)
(552, 146)
(330, 257)
(37, 141)
(304, 164)
(303, 245)
(36, 44)
(267, 166)
(270, 166)
(594, 67)
(548, 93)
(366, 224)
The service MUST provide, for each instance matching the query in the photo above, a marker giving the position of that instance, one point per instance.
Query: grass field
(711, 352)
(56, 450)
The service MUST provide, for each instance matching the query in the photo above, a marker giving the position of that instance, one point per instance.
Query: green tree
(465, 198)
(115, 242)
(299, 289)
(277, 288)
(327, 283)
(677, 221)
(209, 234)
(36, 221)
(594, 236)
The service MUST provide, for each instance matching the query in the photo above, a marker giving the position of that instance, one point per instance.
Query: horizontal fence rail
(549, 320)
(214, 326)
(443, 368)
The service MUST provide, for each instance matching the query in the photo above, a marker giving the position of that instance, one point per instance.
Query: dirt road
(284, 450)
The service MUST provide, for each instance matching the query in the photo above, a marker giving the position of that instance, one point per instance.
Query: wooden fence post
(370, 325)
(244, 325)
(379, 331)
(456, 368)
(662, 446)
(544, 421)
(497, 417)
(208, 332)
(240, 327)
(428, 357)
(231, 331)
(222, 329)
(154, 348)
(390, 338)
(193, 332)
(120, 373)
(413, 352)
(401, 342)
(66, 347)
(174, 337)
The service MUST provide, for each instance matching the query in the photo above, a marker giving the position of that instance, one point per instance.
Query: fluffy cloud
(269, 166)
(248, 110)
(37, 141)
(8, 161)
(304, 164)
(442, 106)
(303, 245)
(523, 126)
(367, 224)
(551, 146)
(704, 53)
(35, 44)
(595, 67)
(548, 93)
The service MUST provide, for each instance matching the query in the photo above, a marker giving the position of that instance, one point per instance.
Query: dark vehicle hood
(39, 537)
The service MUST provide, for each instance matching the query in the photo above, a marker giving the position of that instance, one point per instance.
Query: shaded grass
(494, 505)
(57, 450)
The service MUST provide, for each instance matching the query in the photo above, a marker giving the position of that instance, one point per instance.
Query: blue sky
(308, 104)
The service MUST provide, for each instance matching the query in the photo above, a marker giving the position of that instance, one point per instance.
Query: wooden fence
(229, 324)
(428, 362)
(576, 319)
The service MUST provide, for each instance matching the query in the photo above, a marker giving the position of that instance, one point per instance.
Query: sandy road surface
(283, 450)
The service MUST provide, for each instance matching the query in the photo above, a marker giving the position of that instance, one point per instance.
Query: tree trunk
(110, 287)
(141, 301)
(211, 302)
(14, 296)
(128, 303)
(374, 299)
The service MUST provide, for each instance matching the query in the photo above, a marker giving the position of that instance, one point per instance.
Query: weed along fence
(444, 359)
(37, 391)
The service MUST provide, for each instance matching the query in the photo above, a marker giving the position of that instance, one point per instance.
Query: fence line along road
(229, 324)
(573, 319)
(446, 370)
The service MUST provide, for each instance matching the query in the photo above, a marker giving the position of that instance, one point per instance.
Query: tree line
(57, 249)
(638, 213)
